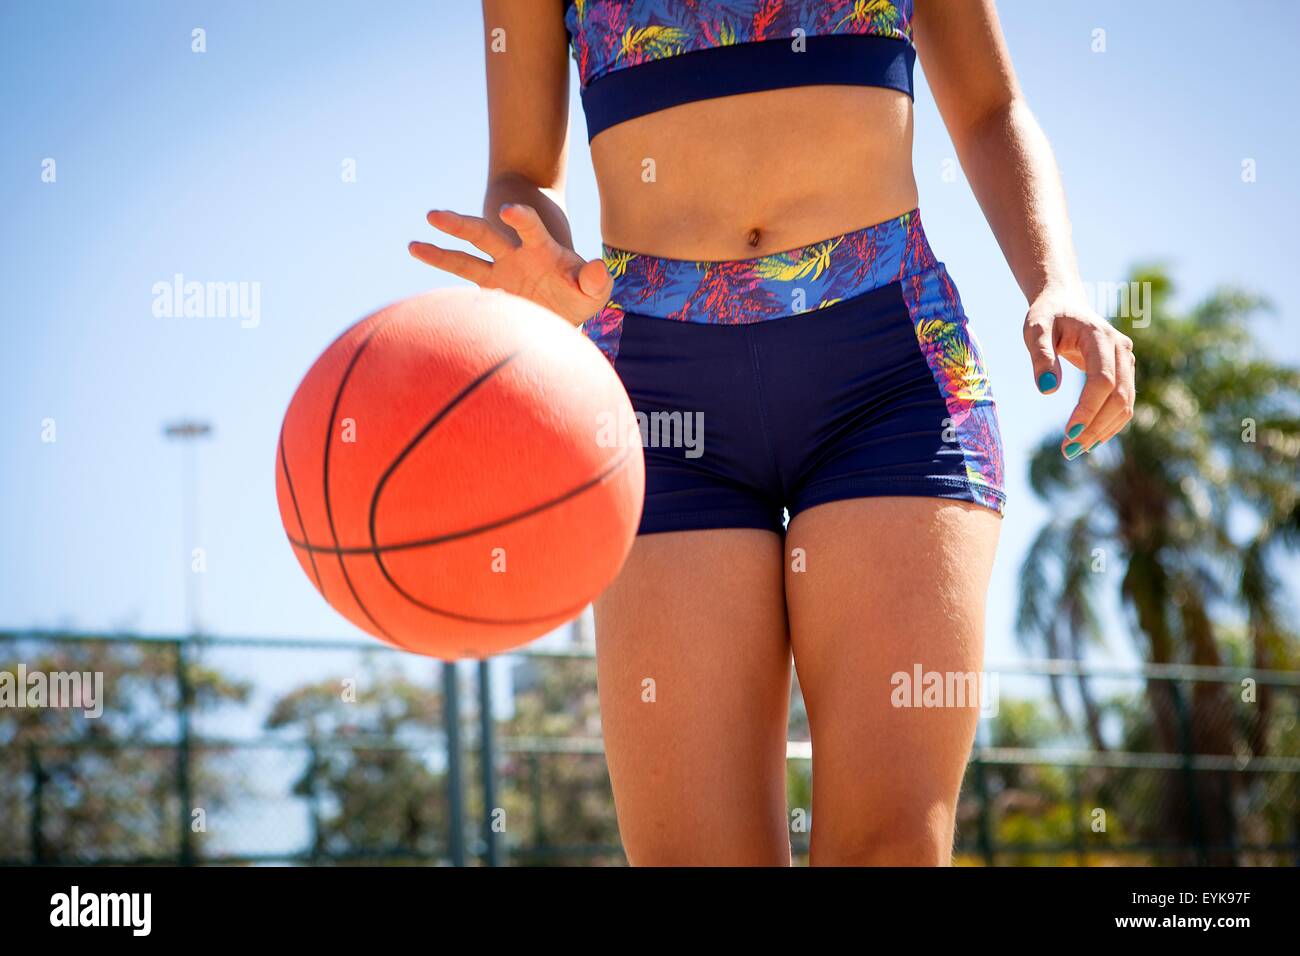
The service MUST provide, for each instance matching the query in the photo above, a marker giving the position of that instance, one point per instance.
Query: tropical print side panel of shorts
(953, 354)
(610, 35)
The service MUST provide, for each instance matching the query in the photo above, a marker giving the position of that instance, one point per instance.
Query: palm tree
(1193, 504)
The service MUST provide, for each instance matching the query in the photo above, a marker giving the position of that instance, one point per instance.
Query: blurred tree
(1029, 804)
(375, 780)
(555, 801)
(1192, 506)
(77, 788)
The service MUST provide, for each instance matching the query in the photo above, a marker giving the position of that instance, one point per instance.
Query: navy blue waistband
(837, 60)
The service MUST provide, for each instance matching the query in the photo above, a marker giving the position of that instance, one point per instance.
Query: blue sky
(225, 166)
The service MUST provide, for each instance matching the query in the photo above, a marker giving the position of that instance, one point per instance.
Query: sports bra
(639, 56)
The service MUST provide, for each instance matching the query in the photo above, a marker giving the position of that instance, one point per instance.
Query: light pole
(189, 432)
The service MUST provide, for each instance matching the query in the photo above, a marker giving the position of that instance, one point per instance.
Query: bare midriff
(744, 176)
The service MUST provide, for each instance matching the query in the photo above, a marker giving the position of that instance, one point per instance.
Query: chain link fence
(248, 751)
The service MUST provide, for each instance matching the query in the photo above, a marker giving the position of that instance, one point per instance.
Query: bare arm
(1003, 150)
(528, 110)
(1013, 173)
(524, 228)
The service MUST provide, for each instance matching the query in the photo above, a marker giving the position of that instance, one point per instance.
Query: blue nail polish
(1047, 381)
(1093, 445)
(1072, 450)
(1074, 431)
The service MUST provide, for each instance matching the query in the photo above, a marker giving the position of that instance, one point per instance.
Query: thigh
(693, 662)
(888, 585)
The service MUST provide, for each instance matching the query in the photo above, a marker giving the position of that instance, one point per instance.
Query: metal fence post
(184, 701)
(313, 800)
(1189, 771)
(487, 762)
(37, 820)
(982, 791)
(535, 792)
(1230, 818)
(455, 791)
(1076, 788)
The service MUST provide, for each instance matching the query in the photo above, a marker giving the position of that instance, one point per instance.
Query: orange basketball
(455, 473)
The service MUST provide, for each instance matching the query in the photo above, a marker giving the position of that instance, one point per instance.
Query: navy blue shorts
(764, 386)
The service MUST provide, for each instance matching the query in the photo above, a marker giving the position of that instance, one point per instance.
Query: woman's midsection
(745, 176)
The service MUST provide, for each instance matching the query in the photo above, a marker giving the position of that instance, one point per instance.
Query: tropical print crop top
(640, 56)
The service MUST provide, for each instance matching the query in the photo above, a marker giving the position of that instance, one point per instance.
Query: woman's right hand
(530, 264)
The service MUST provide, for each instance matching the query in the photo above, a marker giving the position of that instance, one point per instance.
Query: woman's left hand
(1063, 326)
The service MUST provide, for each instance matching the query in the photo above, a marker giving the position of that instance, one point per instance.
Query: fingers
(1098, 354)
(525, 221)
(1105, 355)
(473, 229)
(1118, 410)
(1042, 352)
(1106, 404)
(462, 264)
(595, 281)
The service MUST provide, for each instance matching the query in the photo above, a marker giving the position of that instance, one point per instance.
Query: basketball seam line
(468, 532)
(297, 513)
(562, 613)
(325, 479)
(615, 466)
(420, 436)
